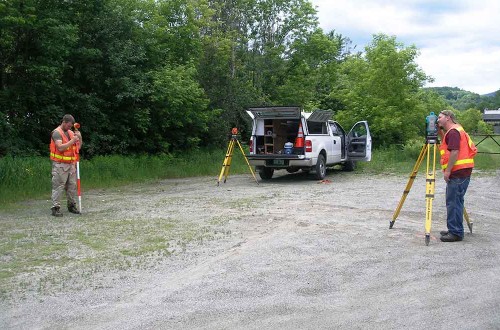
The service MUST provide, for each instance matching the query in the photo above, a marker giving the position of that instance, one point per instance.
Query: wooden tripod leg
(227, 162)
(429, 191)
(246, 159)
(469, 223)
(413, 175)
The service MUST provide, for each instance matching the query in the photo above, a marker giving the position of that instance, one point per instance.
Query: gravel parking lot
(291, 253)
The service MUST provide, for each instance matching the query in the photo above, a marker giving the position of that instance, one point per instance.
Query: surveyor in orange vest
(457, 161)
(63, 153)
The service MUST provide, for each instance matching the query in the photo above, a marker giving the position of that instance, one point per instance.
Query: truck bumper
(280, 161)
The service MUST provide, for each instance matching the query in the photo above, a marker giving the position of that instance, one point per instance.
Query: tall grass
(30, 177)
(402, 158)
(23, 178)
(488, 157)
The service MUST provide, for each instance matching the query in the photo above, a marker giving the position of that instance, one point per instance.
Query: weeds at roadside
(77, 255)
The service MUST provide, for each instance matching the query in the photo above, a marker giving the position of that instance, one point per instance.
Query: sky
(458, 40)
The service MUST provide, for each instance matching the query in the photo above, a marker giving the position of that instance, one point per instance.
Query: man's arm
(63, 146)
(451, 162)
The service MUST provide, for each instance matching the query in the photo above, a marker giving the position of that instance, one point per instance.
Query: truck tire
(349, 166)
(266, 173)
(320, 168)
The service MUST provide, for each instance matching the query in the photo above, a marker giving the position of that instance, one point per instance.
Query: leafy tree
(244, 61)
(382, 86)
(165, 75)
(180, 115)
(273, 26)
(34, 46)
(312, 71)
(222, 70)
(108, 82)
(461, 100)
(484, 128)
(472, 121)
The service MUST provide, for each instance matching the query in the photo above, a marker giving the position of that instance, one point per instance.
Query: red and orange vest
(67, 156)
(466, 152)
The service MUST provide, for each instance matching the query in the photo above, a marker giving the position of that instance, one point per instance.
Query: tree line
(464, 100)
(163, 76)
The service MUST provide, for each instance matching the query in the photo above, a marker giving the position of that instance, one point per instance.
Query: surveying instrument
(431, 142)
(229, 156)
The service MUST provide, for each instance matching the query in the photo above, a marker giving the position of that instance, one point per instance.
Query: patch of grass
(92, 240)
(70, 252)
(23, 178)
(400, 159)
(488, 157)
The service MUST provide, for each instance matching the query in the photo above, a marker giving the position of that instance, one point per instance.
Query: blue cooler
(288, 148)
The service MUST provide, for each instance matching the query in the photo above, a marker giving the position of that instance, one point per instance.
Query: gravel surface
(291, 253)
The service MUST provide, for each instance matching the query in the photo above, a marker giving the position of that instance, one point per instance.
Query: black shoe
(73, 209)
(450, 238)
(56, 211)
(443, 232)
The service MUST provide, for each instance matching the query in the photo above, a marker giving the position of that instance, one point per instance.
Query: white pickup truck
(277, 144)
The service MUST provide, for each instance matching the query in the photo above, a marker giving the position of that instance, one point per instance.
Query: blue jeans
(455, 192)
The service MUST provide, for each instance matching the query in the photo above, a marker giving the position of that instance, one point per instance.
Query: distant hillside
(463, 100)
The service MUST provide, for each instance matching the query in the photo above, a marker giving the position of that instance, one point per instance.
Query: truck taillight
(309, 146)
(250, 145)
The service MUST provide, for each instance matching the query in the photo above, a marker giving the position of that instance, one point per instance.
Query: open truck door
(359, 147)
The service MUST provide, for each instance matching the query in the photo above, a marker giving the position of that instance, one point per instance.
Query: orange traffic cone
(299, 140)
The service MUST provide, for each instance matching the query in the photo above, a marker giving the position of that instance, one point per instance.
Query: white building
(492, 117)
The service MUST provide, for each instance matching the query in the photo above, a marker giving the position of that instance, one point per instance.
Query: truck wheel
(349, 166)
(266, 173)
(320, 168)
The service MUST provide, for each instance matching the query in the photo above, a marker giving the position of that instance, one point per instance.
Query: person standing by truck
(63, 154)
(457, 161)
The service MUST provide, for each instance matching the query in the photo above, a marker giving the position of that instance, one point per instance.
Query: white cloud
(459, 40)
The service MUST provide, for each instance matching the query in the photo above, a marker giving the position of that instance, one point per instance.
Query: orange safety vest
(68, 155)
(466, 152)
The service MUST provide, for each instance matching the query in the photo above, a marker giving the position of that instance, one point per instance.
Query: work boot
(73, 209)
(56, 211)
(450, 238)
(443, 232)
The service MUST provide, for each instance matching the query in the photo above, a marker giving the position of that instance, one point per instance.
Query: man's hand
(446, 175)
(440, 132)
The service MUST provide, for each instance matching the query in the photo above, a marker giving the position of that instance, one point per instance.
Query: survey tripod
(430, 143)
(226, 165)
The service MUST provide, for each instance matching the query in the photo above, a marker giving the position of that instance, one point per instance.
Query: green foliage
(164, 76)
(402, 158)
(488, 156)
(461, 100)
(312, 71)
(24, 178)
(382, 86)
(470, 120)
(180, 115)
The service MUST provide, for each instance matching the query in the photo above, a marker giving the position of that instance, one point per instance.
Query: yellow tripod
(229, 156)
(429, 191)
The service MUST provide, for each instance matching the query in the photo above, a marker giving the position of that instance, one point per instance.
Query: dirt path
(290, 253)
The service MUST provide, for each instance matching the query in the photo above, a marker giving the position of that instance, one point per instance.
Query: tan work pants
(63, 179)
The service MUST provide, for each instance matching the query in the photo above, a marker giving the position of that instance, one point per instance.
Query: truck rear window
(316, 127)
